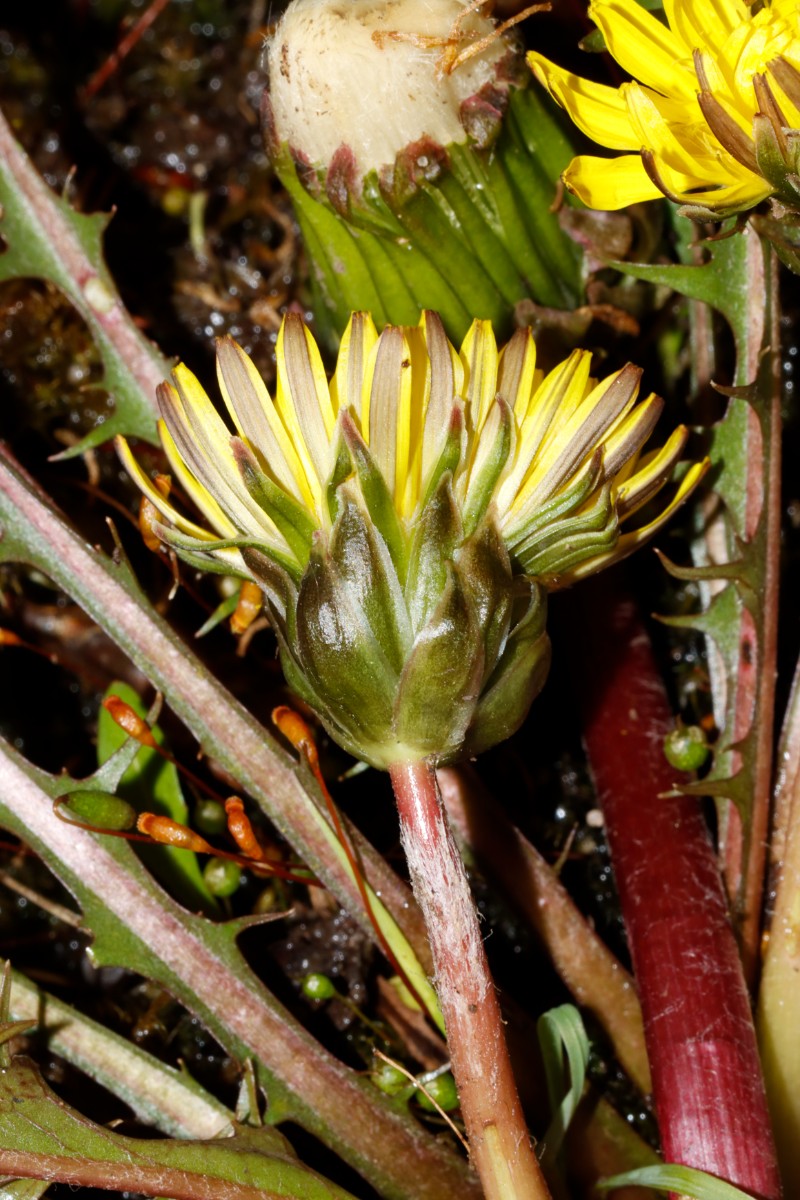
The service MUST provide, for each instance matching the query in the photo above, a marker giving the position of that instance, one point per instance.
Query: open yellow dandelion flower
(711, 116)
(405, 520)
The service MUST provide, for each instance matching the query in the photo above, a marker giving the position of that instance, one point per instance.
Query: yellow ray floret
(540, 456)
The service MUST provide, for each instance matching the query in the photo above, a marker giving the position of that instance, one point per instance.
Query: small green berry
(387, 1078)
(222, 877)
(101, 809)
(442, 1089)
(209, 817)
(318, 987)
(686, 748)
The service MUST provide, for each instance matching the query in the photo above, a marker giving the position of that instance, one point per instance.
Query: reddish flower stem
(499, 1142)
(707, 1083)
(593, 975)
(123, 49)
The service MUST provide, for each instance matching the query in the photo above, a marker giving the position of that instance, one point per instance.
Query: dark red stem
(707, 1083)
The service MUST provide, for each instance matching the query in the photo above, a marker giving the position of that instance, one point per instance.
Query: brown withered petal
(721, 123)
(769, 107)
(787, 77)
(654, 175)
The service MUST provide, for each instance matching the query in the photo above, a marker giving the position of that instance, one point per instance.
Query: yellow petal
(479, 358)
(728, 57)
(629, 434)
(159, 501)
(444, 380)
(425, 342)
(706, 24)
(713, 69)
(725, 95)
(677, 146)
(517, 378)
(787, 106)
(629, 542)
(650, 474)
(644, 47)
(748, 191)
(569, 442)
(598, 110)
(554, 400)
(200, 496)
(356, 345)
(254, 415)
(202, 441)
(751, 49)
(303, 402)
(389, 379)
(610, 183)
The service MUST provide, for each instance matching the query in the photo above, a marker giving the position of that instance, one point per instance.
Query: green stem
(500, 1146)
(741, 543)
(164, 1097)
(752, 715)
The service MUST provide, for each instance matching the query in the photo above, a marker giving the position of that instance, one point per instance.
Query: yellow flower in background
(711, 116)
(406, 520)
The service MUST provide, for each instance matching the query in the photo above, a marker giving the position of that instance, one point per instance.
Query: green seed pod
(318, 987)
(442, 1089)
(686, 748)
(101, 809)
(222, 877)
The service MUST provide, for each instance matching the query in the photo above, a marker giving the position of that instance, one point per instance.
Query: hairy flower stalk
(710, 118)
(405, 522)
(409, 137)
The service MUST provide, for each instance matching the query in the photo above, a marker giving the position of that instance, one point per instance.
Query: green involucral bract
(392, 688)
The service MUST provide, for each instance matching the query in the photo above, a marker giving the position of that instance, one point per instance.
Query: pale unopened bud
(373, 76)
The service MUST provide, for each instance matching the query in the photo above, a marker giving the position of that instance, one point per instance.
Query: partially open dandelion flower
(711, 116)
(406, 519)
